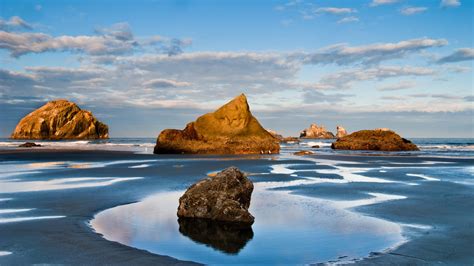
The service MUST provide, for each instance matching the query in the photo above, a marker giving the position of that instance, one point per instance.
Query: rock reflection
(227, 237)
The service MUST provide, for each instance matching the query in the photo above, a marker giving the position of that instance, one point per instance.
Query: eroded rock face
(224, 197)
(60, 119)
(316, 132)
(341, 132)
(232, 129)
(377, 140)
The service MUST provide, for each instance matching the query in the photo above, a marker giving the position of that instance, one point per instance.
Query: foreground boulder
(316, 132)
(60, 119)
(377, 140)
(232, 129)
(224, 197)
(341, 132)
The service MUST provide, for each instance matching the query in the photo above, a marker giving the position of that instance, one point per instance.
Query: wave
(460, 147)
(85, 144)
(318, 143)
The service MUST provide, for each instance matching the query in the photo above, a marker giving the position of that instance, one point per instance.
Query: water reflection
(227, 237)
(288, 229)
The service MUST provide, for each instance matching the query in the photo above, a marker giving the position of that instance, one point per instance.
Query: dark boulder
(29, 145)
(223, 197)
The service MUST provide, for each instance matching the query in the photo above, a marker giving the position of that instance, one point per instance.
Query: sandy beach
(435, 225)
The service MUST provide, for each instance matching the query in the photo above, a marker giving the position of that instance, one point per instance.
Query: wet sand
(444, 208)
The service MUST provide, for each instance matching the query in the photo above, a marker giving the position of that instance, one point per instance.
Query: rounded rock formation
(376, 140)
(232, 129)
(316, 132)
(60, 119)
(224, 197)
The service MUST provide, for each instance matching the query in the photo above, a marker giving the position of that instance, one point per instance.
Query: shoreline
(96, 244)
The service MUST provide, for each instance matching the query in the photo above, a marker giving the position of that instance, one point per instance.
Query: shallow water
(288, 229)
(307, 208)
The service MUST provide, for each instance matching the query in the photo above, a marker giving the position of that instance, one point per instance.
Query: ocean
(113, 201)
(450, 147)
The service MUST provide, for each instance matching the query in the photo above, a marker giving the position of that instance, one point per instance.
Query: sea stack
(60, 119)
(381, 139)
(341, 132)
(232, 129)
(316, 132)
(224, 197)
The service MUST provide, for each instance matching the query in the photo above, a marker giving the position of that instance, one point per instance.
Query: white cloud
(348, 19)
(335, 10)
(450, 3)
(408, 11)
(165, 83)
(462, 54)
(401, 85)
(117, 39)
(347, 78)
(383, 2)
(342, 54)
(14, 23)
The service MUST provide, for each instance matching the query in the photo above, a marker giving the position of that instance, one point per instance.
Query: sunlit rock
(60, 119)
(232, 129)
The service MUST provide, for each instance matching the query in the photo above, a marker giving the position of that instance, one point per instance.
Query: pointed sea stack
(232, 129)
(381, 139)
(60, 119)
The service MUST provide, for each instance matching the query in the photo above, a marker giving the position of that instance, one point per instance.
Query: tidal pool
(288, 229)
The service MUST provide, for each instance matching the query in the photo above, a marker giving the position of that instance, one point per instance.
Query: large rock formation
(60, 119)
(224, 197)
(377, 140)
(316, 132)
(232, 129)
(341, 132)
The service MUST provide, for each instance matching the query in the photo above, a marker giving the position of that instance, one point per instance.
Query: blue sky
(142, 66)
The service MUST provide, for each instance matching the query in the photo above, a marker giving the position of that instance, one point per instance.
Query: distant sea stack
(341, 132)
(232, 129)
(381, 139)
(316, 132)
(60, 119)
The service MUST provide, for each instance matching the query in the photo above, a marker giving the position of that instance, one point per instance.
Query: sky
(143, 66)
